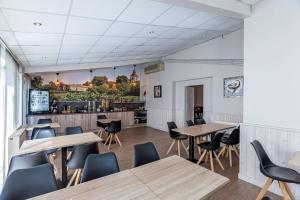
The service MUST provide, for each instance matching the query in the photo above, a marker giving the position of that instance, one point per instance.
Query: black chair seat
(225, 140)
(214, 144)
(206, 145)
(180, 137)
(282, 174)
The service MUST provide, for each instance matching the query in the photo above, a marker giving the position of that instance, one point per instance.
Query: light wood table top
(122, 185)
(107, 121)
(294, 161)
(52, 125)
(177, 178)
(30, 146)
(169, 178)
(203, 129)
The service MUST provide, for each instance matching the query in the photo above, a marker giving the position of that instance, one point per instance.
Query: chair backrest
(80, 153)
(27, 161)
(261, 154)
(145, 153)
(101, 117)
(44, 132)
(27, 183)
(234, 137)
(73, 130)
(190, 123)
(44, 121)
(172, 125)
(114, 126)
(215, 142)
(99, 165)
(200, 121)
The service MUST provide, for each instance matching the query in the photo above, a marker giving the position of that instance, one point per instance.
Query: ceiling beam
(75, 67)
(229, 8)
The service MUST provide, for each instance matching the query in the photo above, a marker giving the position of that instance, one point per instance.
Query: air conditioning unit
(154, 68)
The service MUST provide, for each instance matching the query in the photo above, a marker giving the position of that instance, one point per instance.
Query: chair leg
(201, 157)
(236, 151)
(222, 151)
(78, 176)
(206, 157)
(230, 156)
(107, 139)
(264, 190)
(110, 140)
(51, 160)
(178, 147)
(118, 140)
(171, 147)
(227, 152)
(283, 190)
(211, 161)
(184, 147)
(217, 158)
(72, 178)
(69, 155)
(198, 142)
(100, 133)
(289, 191)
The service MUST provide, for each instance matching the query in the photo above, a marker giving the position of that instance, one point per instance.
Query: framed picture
(157, 91)
(234, 86)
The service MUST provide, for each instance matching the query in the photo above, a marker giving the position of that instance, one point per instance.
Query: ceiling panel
(79, 25)
(196, 20)
(42, 63)
(41, 57)
(74, 49)
(143, 11)
(79, 39)
(214, 22)
(38, 38)
(135, 41)
(191, 34)
(68, 61)
(40, 49)
(151, 31)
(174, 16)
(102, 49)
(8, 37)
(95, 55)
(22, 58)
(173, 33)
(103, 9)
(51, 6)
(107, 40)
(124, 48)
(23, 21)
(67, 56)
(123, 29)
(90, 60)
(3, 25)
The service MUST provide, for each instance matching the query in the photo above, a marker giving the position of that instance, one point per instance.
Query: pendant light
(57, 82)
(91, 78)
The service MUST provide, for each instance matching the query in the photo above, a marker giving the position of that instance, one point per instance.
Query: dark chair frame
(144, 154)
(177, 137)
(113, 129)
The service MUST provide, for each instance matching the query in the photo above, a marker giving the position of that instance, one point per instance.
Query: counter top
(77, 113)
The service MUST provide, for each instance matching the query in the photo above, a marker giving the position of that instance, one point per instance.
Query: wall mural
(121, 84)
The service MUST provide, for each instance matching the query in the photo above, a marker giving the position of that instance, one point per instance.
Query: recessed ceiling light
(37, 23)
(151, 32)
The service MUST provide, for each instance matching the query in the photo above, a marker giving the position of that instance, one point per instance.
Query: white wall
(161, 110)
(271, 99)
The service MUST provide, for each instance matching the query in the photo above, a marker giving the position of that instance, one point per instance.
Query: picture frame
(157, 91)
(234, 87)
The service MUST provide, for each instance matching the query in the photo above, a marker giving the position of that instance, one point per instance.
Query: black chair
(199, 121)
(230, 143)
(145, 153)
(101, 125)
(27, 183)
(266, 198)
(274, 172)
(45, 121)
(99, 165)
(190, 123)
(177, 137)
(210, 147)
(71, 131)
(113, 129)
(77, 160)
(27, 161)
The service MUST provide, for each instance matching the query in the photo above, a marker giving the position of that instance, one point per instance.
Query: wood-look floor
(235, 190)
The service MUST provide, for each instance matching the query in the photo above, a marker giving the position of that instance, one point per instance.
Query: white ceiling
(96, 31)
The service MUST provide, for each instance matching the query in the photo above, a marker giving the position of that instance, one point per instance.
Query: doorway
(194, 96)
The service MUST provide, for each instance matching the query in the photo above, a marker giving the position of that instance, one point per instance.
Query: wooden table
(52, 125)
(107, 121)
(169, 178)
(294, 161)
(63, 142)
(200, 130)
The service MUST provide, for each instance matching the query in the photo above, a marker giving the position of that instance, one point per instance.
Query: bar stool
(274, 172)
(113, 129)
(210, 148)
(176, 137)
(230, 143)
(78, 158)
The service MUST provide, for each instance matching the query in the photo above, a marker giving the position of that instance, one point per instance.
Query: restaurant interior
(149, 99)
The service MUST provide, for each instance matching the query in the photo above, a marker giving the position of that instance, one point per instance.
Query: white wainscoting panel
(279, 143)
